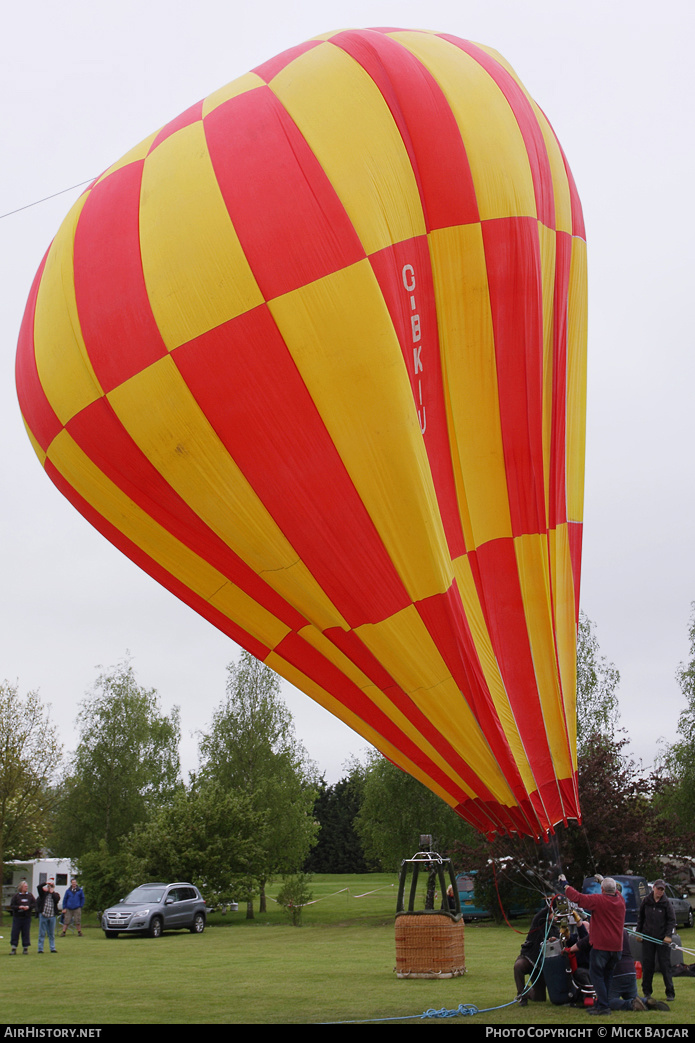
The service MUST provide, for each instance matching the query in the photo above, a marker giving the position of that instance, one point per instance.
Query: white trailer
(37, 871)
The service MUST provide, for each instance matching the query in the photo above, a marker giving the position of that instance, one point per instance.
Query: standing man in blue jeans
(47, 904)
(605, 934)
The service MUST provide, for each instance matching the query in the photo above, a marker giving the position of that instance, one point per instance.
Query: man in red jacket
(605, 934)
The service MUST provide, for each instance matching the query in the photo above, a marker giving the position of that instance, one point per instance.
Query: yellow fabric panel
(196, 272)
(547, 242)
(344, 123)
(153, 540)
(340, 336)
(576, 382)
(565, 629)
(534, 577)
(490, 668)
(132, 156)
(343, 713)
(404, 647)
(561, 189)
(485, 119)
(163, 418)
(248, 82)
(63, 365)
(470, 380)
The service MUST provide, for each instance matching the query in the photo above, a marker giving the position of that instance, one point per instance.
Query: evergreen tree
(339, 848)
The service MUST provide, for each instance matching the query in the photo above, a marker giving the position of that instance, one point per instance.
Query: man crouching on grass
(605, 934)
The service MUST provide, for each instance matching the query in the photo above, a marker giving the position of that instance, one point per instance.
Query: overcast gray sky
(83, 81)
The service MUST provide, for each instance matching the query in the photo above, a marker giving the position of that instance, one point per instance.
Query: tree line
(257, 807)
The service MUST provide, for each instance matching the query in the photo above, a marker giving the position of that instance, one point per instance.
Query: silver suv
(153, 908)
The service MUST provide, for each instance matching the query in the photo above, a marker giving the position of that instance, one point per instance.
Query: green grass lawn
(337, 967)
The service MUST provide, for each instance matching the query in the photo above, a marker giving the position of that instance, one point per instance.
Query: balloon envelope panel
(313, 356)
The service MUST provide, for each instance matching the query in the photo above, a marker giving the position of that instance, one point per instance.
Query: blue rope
(657, 941)
(464, 1009)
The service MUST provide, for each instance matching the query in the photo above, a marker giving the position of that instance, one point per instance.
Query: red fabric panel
(291, 463)
(528, 125)
(514, 278)
(427, 125)
(503, 609)
(476, 814)
(557, 505)
(36, 410)
(119, 330)
(405, 280)
(492, 818)
(99, 433)
(290, 222)
(444, 618)
(569, 796)
(559, 801)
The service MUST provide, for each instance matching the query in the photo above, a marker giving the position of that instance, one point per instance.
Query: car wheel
(689, 919)
(111, 934)
(198, 925)
(155, 930)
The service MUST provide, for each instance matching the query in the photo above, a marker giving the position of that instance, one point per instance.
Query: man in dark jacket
(542, 927)
(656, 921)
(21, 906)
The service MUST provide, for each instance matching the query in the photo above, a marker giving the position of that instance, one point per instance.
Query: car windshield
(145, 894)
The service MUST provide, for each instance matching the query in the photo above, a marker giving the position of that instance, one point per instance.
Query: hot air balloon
(313, 356)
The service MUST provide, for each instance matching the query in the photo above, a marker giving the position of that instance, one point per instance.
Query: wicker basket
(429, 945)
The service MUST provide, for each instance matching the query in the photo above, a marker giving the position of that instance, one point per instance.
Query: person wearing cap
(48, 902)
(656, 922)
(605, 934)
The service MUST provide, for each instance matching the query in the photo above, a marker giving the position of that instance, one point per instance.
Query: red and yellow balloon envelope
(313, 356)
